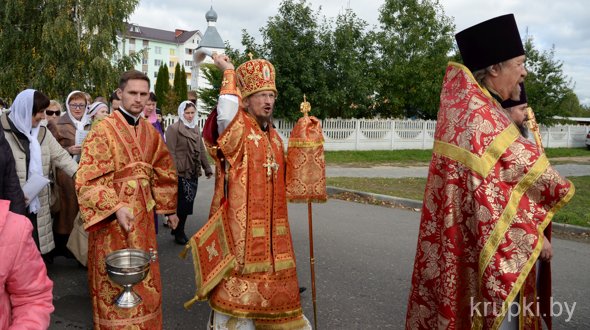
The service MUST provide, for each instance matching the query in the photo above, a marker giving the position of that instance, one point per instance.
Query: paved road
(364, 257)
(422, 171)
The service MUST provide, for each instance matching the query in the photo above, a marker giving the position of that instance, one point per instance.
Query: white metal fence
(390, 134)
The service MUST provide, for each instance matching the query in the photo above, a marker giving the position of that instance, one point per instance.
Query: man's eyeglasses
(77, 106)
(52, 113)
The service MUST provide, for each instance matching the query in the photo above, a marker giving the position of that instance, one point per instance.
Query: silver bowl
(128, 267)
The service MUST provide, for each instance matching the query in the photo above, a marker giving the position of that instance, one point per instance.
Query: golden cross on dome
(251, 56)
(305, 107)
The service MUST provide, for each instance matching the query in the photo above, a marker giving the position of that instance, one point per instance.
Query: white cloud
(564, 25)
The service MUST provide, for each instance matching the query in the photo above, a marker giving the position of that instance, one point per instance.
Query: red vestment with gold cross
(489, 196)
(124, 166)
(250, 182)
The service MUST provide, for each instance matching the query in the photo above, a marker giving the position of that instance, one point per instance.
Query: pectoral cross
(270, 166)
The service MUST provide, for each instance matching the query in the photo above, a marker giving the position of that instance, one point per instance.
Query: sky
(550, 22)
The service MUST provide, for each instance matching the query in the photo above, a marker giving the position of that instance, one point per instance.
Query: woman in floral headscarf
(183, 139)
(35, 150)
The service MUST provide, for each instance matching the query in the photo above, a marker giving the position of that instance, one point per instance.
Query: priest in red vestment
(125, 172)
(489, 196)
(257, 286)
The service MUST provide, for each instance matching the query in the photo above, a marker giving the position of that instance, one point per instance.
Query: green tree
(179, 85)
(161, 88)
(413, 45)
(60, 45)
(347, 58)
(549, 90)
(291, 44)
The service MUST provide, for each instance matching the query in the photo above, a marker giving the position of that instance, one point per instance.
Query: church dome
(211, 15)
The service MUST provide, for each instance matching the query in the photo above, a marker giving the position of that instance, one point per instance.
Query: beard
(515, 93)
(524, 131)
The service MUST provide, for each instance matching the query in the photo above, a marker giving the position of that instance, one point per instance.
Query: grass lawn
(414, 157)
(575, 213)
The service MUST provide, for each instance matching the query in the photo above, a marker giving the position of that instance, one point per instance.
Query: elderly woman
(97, 111)
(75, 123)
(35, 150)
(186, 147)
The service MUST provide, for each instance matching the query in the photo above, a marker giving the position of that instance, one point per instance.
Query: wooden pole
(312, 265)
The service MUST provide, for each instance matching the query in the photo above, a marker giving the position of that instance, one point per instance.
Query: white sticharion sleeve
(227, 108)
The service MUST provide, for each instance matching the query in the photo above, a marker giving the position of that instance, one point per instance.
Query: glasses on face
(77, 106)
(52, 113)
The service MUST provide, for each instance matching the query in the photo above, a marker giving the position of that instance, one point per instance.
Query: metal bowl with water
(128, 267)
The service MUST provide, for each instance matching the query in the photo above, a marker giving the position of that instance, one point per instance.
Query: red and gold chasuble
(489, 196)
(127, 166)
(262, 285)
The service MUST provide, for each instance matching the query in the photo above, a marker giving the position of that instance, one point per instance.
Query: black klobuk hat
(490, 42)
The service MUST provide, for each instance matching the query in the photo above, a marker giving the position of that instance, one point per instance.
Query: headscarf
(152, 117)
(85, 120)
(181, 108)
(94, 107)
(21, 115)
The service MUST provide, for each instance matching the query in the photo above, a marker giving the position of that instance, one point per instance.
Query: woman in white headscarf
(35, 150)
(184, 141)
(74, 123)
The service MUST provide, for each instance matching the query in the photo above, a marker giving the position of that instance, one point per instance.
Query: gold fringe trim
(305, 144)
(282, 265)
(256, 267)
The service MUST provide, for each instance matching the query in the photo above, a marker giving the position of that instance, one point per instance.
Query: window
(132, 41)
(144, 61)
(171, 76)
(171, 64)
(172, 52)
(188, 63)
(188, 51)
(158, 50)
(155, 74)
(157, 62)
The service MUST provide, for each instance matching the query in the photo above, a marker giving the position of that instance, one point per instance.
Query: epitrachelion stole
(306, 167)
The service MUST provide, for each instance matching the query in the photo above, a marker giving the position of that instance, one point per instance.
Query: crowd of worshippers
(60, 128)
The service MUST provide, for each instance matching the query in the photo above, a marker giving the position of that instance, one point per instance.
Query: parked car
(588, 141)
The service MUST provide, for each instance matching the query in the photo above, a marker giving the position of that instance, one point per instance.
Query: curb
(412, 203)
(570, 228)
(416, 204)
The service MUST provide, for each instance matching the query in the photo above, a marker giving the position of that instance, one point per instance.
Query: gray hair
(481, 74)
